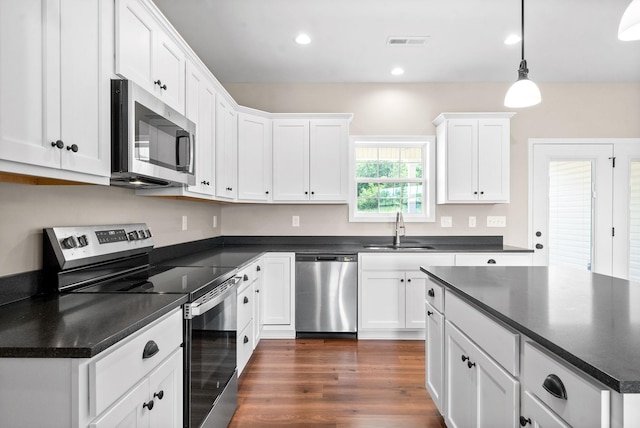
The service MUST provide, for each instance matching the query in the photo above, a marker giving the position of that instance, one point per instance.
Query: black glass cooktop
(192, 281)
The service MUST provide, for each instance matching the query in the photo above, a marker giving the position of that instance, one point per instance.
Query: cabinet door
(258, 321)
(226, 149)
(128, 411)
(200, 108)
(462, 160)
(493, 160)
(165, 389)
(277, 289)
(168, 71)
(254, 158)
(382, 300)
(537, 415)
(414, 299)
(434, 349)
(460, 381)
(479, 392)
(290, 160)
(29, 36)
(328, 160)
(134, 42)
(84, 91)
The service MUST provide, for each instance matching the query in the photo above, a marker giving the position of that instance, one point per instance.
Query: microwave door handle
(183, 137)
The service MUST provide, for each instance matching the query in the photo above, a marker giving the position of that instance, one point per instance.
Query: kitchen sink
(407, 246)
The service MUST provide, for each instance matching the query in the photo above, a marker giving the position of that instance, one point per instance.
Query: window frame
(428, 142)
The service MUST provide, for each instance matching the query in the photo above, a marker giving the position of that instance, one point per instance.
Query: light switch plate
(496, 221)
(215, 221)
(446, 221)
(184, 222)
(472, 221)
(295, 221)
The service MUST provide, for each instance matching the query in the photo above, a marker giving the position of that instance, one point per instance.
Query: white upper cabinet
(310, 159)
(254, 158)
(200, 109)
(473, 157)
(226, 149)
(146, 54)
(290, 160)
(54, 108)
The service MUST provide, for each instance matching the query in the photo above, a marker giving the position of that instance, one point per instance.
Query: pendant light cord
(522, 28)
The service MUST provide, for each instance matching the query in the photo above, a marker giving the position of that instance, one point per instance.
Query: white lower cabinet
(248, 312)
(116, 388)
(494, 259)
(392, 293)
(278, 296)
(154, 402)
(480, 393)
(434, 348)
(562, 392)
(537, 415)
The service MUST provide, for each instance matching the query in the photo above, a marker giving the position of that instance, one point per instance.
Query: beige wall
(567, 111)
(25, 210)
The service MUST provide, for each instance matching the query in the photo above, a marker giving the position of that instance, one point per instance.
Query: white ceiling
(252, 40)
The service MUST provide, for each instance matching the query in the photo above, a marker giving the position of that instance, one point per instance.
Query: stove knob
(148, 232)
(141, 234)
(69, 242)
(132, 236)
(83, 241)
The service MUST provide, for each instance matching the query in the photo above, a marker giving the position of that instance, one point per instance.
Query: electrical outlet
(295, 221)
(215, 221)
(496, 221)
(472, 221)
(446, 222)
(184, 222)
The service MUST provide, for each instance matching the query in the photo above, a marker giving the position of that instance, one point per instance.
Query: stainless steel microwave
(152, 145)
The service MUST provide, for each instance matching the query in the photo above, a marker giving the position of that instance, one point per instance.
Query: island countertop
(591, 321)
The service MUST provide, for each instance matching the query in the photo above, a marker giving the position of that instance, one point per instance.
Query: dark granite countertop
(77, 325)
(82, 325)
(591, 321)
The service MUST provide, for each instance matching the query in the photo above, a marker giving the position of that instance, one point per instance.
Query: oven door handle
(195, 309)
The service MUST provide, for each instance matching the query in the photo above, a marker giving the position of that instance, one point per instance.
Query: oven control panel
(80, 245)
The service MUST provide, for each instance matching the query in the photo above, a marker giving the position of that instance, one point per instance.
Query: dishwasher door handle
(327, 258)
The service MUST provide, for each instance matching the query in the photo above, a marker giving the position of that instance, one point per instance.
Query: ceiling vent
(407, 40)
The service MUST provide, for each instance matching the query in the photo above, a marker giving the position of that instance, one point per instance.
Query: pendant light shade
(523, 93)
(629, 28)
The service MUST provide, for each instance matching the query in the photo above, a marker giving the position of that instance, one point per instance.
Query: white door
(571, 209)
(254, 157)
(328, 160)
(382, 300)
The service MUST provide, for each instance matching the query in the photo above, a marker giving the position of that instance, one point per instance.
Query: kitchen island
(562, 343)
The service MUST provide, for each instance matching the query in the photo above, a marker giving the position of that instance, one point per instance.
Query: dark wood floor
(337, 383)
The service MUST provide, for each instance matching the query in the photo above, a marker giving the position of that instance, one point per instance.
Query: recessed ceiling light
(512, 39)
(397, 71)
(303, 39)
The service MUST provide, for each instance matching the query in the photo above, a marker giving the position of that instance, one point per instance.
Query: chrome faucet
(399, 225)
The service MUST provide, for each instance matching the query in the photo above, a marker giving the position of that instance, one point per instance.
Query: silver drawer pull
(554, 386)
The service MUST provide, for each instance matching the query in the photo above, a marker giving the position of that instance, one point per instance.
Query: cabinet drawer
(249, 274)
(497, 340)
(434, 294)
(245, 347)
(494, 259)
(119, 369)
(535, 411)
(245, 307)
(586, 401)
(403, 261)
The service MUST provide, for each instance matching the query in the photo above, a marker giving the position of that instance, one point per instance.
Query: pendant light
(523, 93)
(629, 28)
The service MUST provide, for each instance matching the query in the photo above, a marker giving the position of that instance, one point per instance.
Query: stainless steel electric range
(115, 259)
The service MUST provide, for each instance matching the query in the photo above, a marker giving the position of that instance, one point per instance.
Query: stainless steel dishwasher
(326, 295)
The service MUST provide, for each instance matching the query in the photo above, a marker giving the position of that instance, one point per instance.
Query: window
(391, 174)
